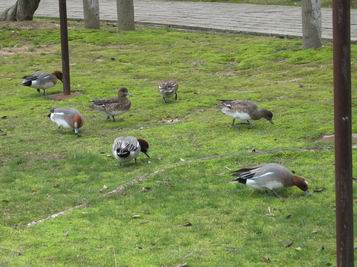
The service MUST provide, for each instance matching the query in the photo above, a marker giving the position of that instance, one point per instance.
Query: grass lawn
(188, 211)
(324, 3)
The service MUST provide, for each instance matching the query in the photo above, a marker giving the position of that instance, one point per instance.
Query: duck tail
(240, 180)
(26, 82)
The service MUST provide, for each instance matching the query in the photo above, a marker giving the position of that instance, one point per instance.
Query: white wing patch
(56, 117)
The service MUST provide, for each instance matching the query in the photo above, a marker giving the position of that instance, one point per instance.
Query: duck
(127, 148)
(244, 110)
(42, 80)
(269, 176)
(168, 89)
(67, 118)
(114, 106)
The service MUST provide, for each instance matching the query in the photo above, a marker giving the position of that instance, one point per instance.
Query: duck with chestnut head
(127, 148)
(269, 176)
(42, 80)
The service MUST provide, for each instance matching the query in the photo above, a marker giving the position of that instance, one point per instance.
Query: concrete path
(246, 18)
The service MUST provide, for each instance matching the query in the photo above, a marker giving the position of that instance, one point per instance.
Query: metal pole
(64, 47)
(343, 132)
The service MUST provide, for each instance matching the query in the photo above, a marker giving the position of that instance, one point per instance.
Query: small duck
(42, 80)
(269, 176)
(114, 106)
(168, 89)
(67, 118)
(244, 111)
(126, 148)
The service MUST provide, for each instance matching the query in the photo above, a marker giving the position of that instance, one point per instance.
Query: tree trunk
(125, 9)
(21, 10)
(91, 14)
(311, 23)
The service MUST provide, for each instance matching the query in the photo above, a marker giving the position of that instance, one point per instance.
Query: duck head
(59, 75)
(123, 92)
(268, 115)
(144, 147)
(301, 183)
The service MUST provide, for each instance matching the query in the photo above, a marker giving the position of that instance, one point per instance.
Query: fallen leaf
(288, 243)
(4, 117)
(103, 189)
(266, 259)
(183, 265)
(136, 216)
(145, 189)
(182, 159)
(298, 248)
(288, 216)
(187, 224)
(319, 189)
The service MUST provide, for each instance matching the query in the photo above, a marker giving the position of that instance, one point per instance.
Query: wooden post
(64, 47)
(311, 23)
(91, 14)
(343, 132)
(125, 9)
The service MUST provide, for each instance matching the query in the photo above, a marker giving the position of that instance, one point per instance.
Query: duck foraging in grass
(244, 110)
(269, 176)
(168, 89)
(114, 106)
(126, 148)
(67, 118)
(42, 80)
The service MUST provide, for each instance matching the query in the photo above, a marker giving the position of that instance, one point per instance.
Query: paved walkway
(256, 19)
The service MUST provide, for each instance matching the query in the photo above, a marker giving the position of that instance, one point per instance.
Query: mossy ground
(44, 170)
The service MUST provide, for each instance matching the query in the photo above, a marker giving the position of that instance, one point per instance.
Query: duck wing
(103, 102)
(239, 105)
(243, 174)
(123, 145)
(168, 86)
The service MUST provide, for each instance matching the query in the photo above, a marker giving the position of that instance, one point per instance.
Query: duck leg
(275, 193)
(113, 118)
(135, 160)
(164, 99)
(234, 120)
(44, 92)
(38, 90)
(175, 96)
(108, 117)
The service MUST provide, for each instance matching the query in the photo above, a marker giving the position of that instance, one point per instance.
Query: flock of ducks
(126, 148)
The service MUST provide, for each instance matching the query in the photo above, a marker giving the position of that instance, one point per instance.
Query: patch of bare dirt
(170, 120)
(61, 96)
(27, 49)
(331, 138)
(26, 25)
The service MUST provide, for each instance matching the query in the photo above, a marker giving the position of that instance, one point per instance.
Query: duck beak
(271, 122)
(307, 193)
(147, 155)
(129, 94)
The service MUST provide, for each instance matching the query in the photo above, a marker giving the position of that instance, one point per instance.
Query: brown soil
(61, 96)
(26, 49)
(29, 24)
(331, 138)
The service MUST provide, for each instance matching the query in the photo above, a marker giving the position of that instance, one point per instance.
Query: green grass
(324, 3)
(44, 170)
